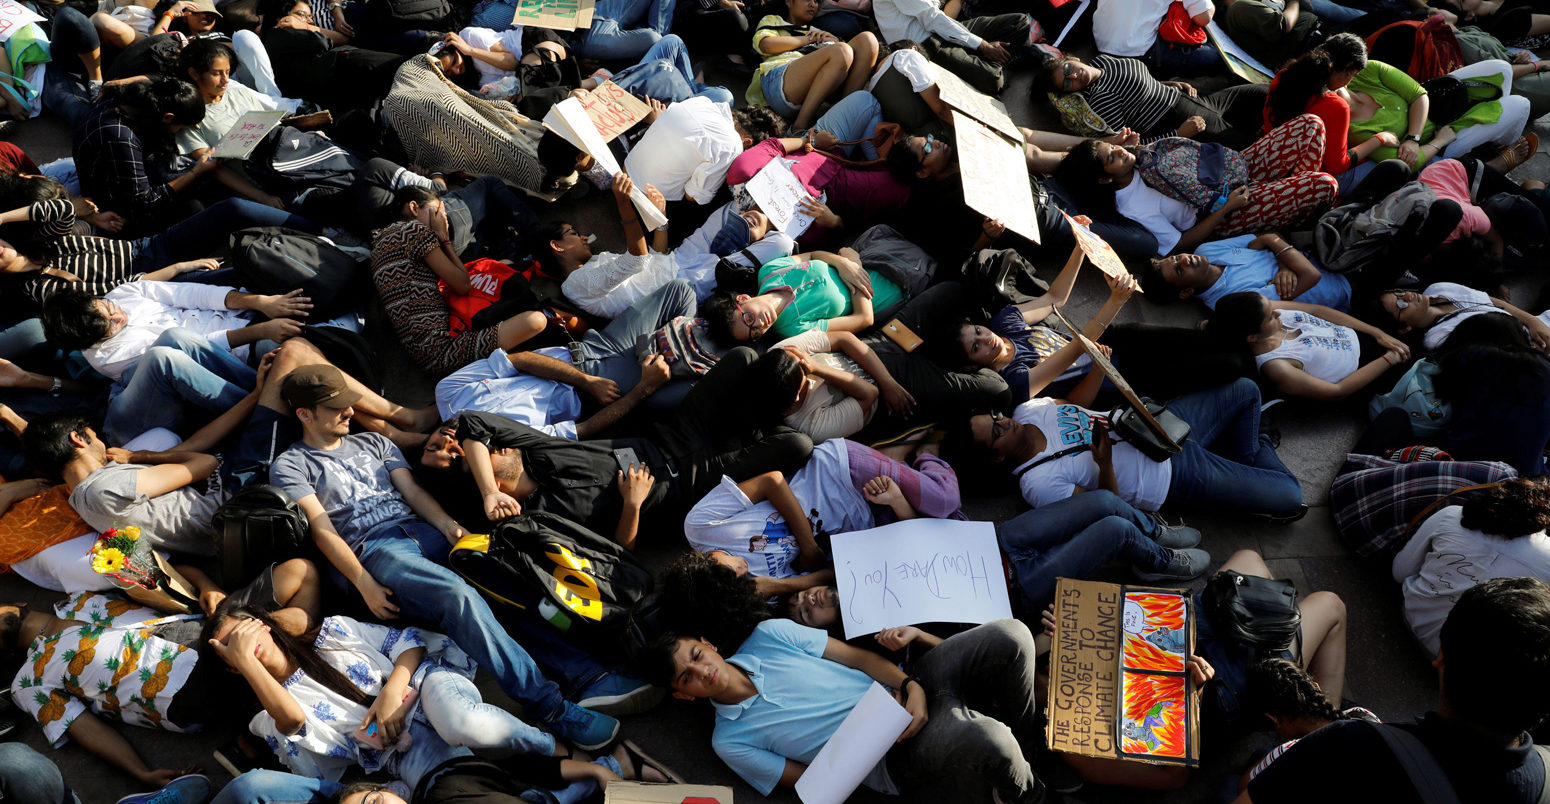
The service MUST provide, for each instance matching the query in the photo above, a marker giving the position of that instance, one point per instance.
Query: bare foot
(1521, 150)
(636, 771)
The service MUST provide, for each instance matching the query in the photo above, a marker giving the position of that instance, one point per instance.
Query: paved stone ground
(1386, 673)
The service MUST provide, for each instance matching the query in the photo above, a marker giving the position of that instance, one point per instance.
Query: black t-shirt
(1349, 762)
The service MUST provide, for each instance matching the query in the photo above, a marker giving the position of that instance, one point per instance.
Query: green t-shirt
(819, 294)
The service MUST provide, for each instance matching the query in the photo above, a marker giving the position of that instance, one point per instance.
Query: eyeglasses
(305, 13)
(750, 320)
(568, 231)
(1399, 298)
(998, 427)
(925, 150)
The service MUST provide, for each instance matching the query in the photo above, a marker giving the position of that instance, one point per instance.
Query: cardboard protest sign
(779, 193)
(561, 15)
(569, 120)
(648, 793)
(613, 110)
(1125, 389)
(918, 571)
(1096, 249)
(1119, 687)
(249, 130)
(1236, 58)
(13, 16)
(995, 176)
(976, 104)
(854, 749)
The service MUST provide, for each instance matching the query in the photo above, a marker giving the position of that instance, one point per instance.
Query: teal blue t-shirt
(819, 294)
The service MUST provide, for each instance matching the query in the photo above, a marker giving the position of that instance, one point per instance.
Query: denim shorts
(772, 84)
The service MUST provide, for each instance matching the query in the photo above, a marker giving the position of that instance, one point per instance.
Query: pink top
(1448, 179)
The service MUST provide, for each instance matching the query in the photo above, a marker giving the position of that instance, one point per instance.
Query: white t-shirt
(1129, 27)
(1470, 302)
(1327, 351)
(1444, 558)
(1166, 218)
(222, 115)
(610, 282)
(912, 64)
(1142, 481)
(510, 41)
(687, 151)
(727, 520)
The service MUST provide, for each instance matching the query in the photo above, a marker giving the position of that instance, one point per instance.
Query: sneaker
(10, 716)
(194, 789)
(585, 729)
(1267, 426)
(1174, 537)
(1186, 564)
(618, 694)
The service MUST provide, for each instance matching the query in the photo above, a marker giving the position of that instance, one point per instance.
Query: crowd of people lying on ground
(184, 366)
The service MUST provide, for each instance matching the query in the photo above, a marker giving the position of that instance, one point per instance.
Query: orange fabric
(36, 524)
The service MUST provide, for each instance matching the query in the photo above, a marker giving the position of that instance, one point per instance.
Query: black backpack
(1451, 98)
(274, 259)
(585, 585)
(1258, 613)
(407, 14)
(258, 526)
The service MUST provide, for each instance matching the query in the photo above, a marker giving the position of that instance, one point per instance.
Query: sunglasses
(925, 150)
(1067, 71)
(1399, 298)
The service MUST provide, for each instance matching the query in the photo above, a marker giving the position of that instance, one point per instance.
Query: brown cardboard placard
(1125, 390)
(613, 110)
(647, 793)
(958, 94)
(994, 172)
(1096, 248)
(560, 15)
(1088, 675)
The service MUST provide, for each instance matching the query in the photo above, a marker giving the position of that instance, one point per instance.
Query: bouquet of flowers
(127, 559)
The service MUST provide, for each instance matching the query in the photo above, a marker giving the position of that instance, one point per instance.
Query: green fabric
(1078, 117)
(25, 47)
(1260, 29)
(1394, 91)
(769, 25)
(819, 294)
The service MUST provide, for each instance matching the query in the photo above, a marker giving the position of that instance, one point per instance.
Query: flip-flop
(1509, 154)
(639, 759)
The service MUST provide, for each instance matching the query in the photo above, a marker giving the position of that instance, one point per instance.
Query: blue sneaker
(616, 694)
(193, 789)
(585, 729)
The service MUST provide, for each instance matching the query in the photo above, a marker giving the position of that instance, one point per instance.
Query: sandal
(1509, 155)
(639, 761)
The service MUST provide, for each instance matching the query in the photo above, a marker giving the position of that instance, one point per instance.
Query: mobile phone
(372, 735)
(625, 457)
(902, 335)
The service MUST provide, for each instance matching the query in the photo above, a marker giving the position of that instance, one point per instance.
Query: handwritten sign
(249, 131)
(855, 748)
(917, 571)
(777, 192)
(613, 110)
(958, 94)
(1118, 687)
(1095, 247)
(995, 176)
(13, 16)
(560, 15)
(1237, 59)
(569, 120)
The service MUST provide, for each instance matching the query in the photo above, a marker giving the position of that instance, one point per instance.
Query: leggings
(1284, 179)
(1508, 126)
(931, 486)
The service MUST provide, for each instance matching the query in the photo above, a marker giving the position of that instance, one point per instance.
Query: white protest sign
(569, 120)
(855, 748)
(13, 16)
(918, 571)
(974, 103)
(249, 130)
(779, 193)
(995, 176)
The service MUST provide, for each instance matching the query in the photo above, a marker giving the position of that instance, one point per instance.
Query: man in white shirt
(194, 337)
(687, 151)
(975, 50)
(1130, 28)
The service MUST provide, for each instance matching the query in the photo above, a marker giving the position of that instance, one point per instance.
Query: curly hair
(1516, 508)
(698, 596)
(1280, 688)
(1300, 81)
(1496, 655)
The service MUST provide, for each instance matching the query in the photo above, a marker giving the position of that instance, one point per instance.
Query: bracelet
(335, 6)
(1385, 357)
(906, 683)
(1289, 247)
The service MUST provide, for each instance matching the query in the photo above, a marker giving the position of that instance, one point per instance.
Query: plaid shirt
(1374, 498)
(110, 159)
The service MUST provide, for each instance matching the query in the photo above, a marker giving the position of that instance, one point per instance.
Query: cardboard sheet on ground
(1119, 687)
(994, 171)
(249, 130)
(778, 193)
(958, 94)
(613, 110)
(569, 120)
(648, 793)
(1237, 59)
(855, 748)
(919, 571)
(561, 15)
(1096, 249)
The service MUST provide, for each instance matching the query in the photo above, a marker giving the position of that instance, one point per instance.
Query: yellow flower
(107, 561)
(131, 532)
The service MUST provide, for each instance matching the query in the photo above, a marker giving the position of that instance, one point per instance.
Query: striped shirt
(102, 263)
(1127, 95)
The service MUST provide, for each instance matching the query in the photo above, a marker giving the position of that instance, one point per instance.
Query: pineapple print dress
(112, 663)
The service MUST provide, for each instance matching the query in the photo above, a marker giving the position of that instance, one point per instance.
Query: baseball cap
(322, 384)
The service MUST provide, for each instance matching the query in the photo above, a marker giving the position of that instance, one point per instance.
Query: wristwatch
(58, 384)
(1415, 138)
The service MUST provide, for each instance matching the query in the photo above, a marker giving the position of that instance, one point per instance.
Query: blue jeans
(855, 117)
(773, 85)
(665, 74)
(612, 39)
(23, 343)
(28, 776)
(408, 559)
(181, 367)
(208, 231)
(1129, 239)
(1168, 59)
(1333, 12)
(276, 787)
(65, 92)
(1227, 465)
(610, 351)
(1072, 538)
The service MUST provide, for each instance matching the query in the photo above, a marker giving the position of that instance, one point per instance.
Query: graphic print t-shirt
(1142, 481)
(1030, 346)
(352, 483)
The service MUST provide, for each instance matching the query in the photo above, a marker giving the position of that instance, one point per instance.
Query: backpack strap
(1415, 521)
(1419, 764)
(1024, 469)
